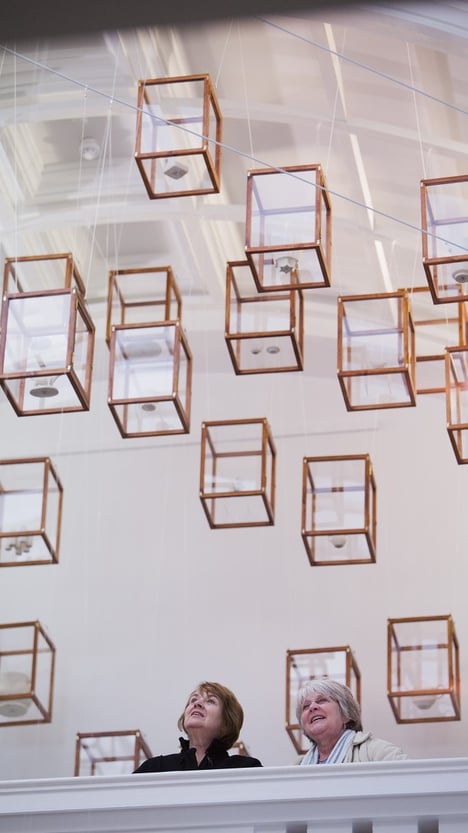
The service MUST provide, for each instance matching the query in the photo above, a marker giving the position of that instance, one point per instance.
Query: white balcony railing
(427, 796)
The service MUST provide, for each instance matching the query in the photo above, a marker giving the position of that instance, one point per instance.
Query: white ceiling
(146, 599)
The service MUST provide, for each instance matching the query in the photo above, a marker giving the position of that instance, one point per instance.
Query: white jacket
(367, 748)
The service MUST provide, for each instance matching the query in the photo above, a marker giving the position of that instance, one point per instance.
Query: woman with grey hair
(330, 717)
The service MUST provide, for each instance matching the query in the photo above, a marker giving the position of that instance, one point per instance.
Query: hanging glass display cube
(31, 273)
(376, 351)
(27, 662)
(339, 499)
(46, 352)
(264, 332)
(444, 218)
(110, 753)
(239, 748)
(307, 664)
(46, 336)
(423, 669)
(139, 296)
(31, 496)
(288, 228)
(433, 333)
(150, 379)
(178, 136)
(456, 375)
(237, 473)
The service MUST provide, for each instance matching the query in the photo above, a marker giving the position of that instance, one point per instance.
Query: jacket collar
(216, 750)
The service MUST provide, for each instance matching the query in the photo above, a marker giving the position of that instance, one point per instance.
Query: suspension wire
(365, 67)
(243, 154)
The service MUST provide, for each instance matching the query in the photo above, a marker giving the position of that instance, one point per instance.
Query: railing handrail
(241, 800)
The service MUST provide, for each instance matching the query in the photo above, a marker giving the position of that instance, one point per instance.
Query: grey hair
(341, 694)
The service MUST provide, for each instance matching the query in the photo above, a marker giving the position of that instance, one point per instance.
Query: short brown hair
(232, 712)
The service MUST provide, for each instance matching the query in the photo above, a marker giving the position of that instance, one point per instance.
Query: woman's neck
(325, 746)
(200, 742)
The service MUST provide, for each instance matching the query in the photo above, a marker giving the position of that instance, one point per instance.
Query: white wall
(147, 600)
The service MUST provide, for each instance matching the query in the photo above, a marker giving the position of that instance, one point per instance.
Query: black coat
(216, 758)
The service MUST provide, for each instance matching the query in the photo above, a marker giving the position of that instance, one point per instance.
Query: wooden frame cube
(31, 497)
(27, 665)
(139, 296)
(456, 389)
(423, 669)
(150, 379)
(46, 336)
(178, 136)
(376, 351)
(288, 228)
(264, 332)
(110, 753)
(444, 220)
(339, 509)
(433, 333)
(238, 473)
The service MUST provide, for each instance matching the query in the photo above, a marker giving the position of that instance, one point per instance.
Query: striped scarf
(338, 753)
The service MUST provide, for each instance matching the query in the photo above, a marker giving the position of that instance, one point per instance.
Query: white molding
(242, 801)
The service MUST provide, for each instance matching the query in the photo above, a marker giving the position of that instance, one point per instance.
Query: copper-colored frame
(213, 167)
(295, 331)
(165, 301)
(351, 667)
(82, 392)
(431, 263)
(324, 258)
(369, 530)
(241, 748)
(455, 430)
(45, 710)
(208, 499)
(180, 342)
(460, 318)
(454, 670)
(141, 749)
(49, 471)
(72, 276)
(406, 327)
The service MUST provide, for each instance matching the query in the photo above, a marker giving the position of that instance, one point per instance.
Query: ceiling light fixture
(90, 149)
(461, 275)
